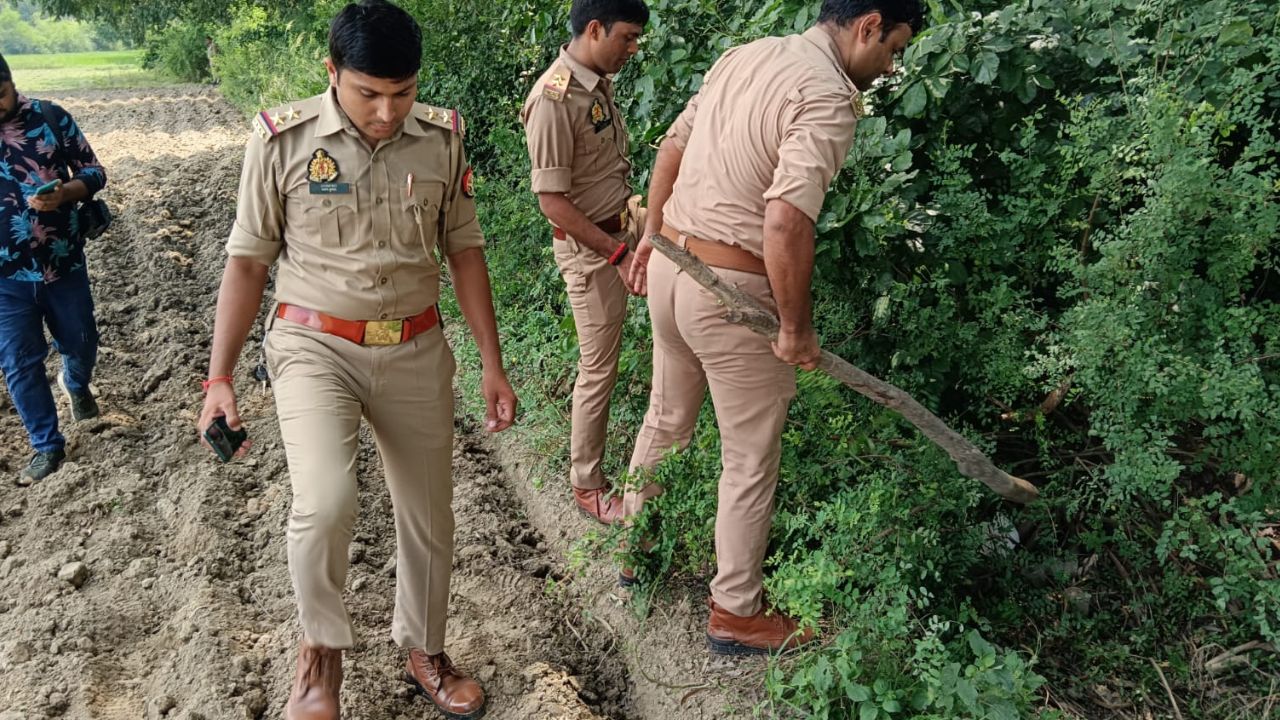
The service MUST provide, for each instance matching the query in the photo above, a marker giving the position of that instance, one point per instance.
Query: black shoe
(83, 405)
(42, 465)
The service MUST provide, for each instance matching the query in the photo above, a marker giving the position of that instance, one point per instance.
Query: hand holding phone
(224, 441)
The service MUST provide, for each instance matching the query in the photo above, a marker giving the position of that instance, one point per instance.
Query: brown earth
(187, 611)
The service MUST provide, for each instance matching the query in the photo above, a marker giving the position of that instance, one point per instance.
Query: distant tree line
(25, 27)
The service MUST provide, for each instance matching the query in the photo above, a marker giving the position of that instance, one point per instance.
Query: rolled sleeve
(258, 231)
(462, 227)
(812, 151)
(549, 135)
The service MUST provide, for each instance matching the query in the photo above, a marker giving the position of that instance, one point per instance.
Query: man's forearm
(239, 299)
(74, 192)
(666, 167)
(560, 210)
(475, 298)
(788, 258)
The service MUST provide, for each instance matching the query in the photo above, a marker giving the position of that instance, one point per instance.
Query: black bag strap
(46, 109)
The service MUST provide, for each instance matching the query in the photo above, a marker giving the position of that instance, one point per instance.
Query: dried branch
(742, 309)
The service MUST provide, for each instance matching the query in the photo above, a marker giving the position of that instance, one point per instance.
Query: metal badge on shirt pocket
(322, 174)
(600, 119)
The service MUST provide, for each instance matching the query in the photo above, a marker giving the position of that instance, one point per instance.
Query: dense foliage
(24, 29)
(1057, 228)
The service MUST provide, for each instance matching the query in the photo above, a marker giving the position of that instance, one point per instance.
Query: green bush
(178, 50)
(35, 33)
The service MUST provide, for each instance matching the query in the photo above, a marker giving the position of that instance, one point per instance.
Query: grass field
(82, 71)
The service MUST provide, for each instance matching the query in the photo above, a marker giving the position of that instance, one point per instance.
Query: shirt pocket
(419, 222)
(331, 219)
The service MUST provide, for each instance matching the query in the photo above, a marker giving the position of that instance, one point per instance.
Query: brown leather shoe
(627, 577)
(765, 632)
(599, 504)
(317, 686)
(456, 695)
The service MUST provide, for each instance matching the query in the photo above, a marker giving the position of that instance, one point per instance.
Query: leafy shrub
(178, 50)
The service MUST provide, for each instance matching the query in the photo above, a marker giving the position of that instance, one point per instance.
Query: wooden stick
(742, 309)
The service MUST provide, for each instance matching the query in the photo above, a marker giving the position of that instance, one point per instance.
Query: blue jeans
(66, 307)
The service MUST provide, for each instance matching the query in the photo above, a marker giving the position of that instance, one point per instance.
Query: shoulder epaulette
(443, 117)
(556, 85)
(270, 123)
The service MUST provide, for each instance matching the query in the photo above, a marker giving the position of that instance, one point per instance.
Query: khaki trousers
(694, 348)
(323, 386)
(599, 302)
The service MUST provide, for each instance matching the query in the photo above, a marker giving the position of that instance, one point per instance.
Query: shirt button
(382, 244)
(379, 201)
(383, 316)
(327, 203)
(382, 281)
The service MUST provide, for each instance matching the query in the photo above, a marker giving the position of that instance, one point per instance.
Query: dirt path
(187, 611)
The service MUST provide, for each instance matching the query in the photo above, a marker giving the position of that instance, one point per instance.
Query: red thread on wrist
(619, 254)
(206, 384)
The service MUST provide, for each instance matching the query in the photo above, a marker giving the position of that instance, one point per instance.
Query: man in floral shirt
(43, 278)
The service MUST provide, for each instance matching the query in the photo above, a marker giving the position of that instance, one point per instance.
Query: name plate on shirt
(330, 188)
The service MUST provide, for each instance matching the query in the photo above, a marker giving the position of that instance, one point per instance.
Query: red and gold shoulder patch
(468, 183)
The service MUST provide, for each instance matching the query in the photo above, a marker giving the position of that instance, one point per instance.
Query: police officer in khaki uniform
(578, 147)
(739, 181)
(350, 194)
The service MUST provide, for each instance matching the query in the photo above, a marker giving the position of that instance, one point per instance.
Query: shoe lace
(440, 668)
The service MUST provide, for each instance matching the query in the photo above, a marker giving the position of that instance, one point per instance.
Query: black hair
(5, 75)
(607, 12)
(376, 38)
(894, 12)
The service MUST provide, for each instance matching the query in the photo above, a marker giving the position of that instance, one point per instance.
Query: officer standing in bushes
(46, 168)
(739, 182)
(579, 150)
(350, 193)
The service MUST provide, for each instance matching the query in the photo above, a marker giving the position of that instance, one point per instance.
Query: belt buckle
(383, 332)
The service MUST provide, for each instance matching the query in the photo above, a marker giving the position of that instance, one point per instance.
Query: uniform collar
(334, 119)
(581, 73)
(827, 44)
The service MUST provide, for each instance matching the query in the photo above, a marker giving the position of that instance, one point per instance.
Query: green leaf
(868, 712)
(988, 66)
(1239, 32)
(914, 99)
(859, 693)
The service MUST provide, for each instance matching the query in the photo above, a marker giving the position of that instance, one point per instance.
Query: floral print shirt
(41, 246)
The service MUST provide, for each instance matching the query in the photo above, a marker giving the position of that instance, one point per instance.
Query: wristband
(206, 384)
(619, 254)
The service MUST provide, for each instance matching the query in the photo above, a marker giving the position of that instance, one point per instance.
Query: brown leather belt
(611, 225)
(716, 254)
(363, 332)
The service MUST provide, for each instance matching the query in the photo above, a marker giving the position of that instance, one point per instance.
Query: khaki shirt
(353, 237)
(773, 120)
(577, 139)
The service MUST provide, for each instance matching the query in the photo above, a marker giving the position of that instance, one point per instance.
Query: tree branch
(742, 309)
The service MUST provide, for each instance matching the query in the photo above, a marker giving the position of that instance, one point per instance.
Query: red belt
(363, 332)
(611, 225)
(717, 254)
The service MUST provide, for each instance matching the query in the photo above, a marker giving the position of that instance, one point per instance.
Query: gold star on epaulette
(558, 85)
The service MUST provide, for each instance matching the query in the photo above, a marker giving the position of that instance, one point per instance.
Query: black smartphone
(224, 441)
